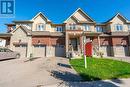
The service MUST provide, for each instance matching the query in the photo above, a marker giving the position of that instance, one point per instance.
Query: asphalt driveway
(36, 73)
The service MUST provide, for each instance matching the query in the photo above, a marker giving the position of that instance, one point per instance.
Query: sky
(59, 10)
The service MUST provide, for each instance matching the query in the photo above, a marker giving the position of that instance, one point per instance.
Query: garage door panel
(39, 51)
(22, 49)
(59, 51)
(121, 51)
(105, 50)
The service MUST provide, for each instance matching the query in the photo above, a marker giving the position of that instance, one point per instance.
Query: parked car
(6, 53)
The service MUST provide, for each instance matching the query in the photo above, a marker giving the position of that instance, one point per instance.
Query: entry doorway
(74, 42)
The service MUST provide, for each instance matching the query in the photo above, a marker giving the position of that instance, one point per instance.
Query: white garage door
(105, 50)
(22, 49)
(121, 51)
(59, 51)
(39, 51)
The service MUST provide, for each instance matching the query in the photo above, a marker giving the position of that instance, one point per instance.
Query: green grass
(101, 68)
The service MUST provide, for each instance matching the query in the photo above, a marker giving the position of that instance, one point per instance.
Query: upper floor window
(59, 28)
(40, 27)
(99, 28)
(128, 27)
(72, 26)
(86, 27)
(119, 27)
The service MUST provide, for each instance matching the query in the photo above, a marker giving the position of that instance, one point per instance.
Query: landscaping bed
(101, 68)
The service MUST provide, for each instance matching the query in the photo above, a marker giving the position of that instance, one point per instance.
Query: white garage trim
(120, 51)
(22, 49)
(106, 50)
(39, 51)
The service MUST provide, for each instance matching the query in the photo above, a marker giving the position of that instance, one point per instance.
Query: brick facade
(119, 41)
(49, 41)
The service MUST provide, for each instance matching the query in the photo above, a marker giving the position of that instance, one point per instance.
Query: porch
(75, 42)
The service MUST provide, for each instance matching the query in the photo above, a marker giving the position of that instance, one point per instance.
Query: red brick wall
(43, 40)
(48, 40)
(111, 40)
(118, 40)
(105, 41)
(57, 40)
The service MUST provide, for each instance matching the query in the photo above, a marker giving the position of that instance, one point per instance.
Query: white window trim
(128, 27)
(99, 29)
(119, 26)
(41, 28)
(59, 29)
(86, 27)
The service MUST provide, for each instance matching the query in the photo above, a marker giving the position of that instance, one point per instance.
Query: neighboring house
(42, 38)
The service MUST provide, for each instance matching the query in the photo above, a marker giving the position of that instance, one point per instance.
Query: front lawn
(101, 68)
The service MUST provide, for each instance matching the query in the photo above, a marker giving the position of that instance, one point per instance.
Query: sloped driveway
(36, 73)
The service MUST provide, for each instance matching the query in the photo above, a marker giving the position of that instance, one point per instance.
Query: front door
(74, 43)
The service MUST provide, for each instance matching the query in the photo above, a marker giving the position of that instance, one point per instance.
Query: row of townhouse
(42, 38)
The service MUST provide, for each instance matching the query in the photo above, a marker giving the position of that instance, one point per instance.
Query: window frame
(86, 27)
(59, 28)
(72, 26)
(119, 27)
(129, 27)
(40, 27)
(99, 29)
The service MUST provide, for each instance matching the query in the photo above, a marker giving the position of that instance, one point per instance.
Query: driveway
(36, 73)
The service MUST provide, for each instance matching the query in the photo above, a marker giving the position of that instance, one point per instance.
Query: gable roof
(27, 31)
(22, 21)
(79, 9)
(47, 33)
(38, 33)
(118, 14)
(40, 13)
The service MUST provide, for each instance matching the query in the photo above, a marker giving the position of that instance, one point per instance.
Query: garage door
(39, 51)
(121, 51)
(105, 50)
(22, 49)
(59, 51)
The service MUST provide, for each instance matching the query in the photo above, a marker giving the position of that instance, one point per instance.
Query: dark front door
(74, 44)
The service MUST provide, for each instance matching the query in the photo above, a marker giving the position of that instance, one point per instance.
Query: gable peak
(79, 9)
(38, 14)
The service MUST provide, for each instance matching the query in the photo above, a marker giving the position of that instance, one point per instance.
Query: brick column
(29, 47)
(81, 43)
(98, 41)
(66, 42)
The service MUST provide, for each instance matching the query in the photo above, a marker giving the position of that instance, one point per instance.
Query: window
(40, 27)
(128, 27)
(99, 29)
(86, 27)
(119, 27)
(72, 26)
(59, 28)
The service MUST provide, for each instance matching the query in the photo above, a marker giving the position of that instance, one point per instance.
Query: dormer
(79, 20)
(118, 23)
(25, 23)
(41, 23)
